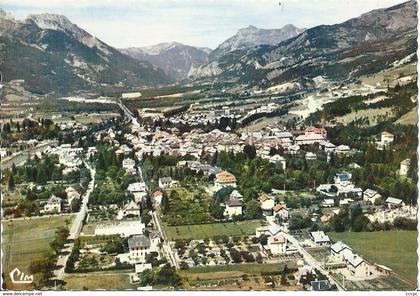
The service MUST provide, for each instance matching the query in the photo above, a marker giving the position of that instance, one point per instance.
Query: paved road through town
(165, 245)
(76, 226)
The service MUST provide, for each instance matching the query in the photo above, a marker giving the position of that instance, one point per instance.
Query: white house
(233, 208)
(277, 244)
(138, 189)
(281, 211)
(320, 238)
(130, 209)
(53, 205)
(386, 138)
(140, 246)
(341, 251)
(278, 159)
(267, 204)
(404, 167)
(128, 164)
(358, 267)
(394, 202)
(166, 182)
(328, 203)
(310, 156)
(370, 196)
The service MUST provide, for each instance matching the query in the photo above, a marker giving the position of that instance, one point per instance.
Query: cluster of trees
(352, 218)
(41, 171)
(115, 246)
(165, 275)
(240, 256)
(111, 178)
(29, 129)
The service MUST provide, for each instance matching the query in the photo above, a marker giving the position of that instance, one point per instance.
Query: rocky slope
(174, 58)
(253, 36)
(54, 55)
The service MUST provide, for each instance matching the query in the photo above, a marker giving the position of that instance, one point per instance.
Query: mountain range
(54, 55)
(176, 59)
(362, 45)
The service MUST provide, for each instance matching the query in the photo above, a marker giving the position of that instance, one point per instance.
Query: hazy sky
(125, 23)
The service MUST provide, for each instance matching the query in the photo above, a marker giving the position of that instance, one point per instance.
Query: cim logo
(19, 277)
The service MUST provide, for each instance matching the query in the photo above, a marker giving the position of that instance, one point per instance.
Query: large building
(224, 179)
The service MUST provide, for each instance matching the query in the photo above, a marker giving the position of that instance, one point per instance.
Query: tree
(360, 223)
(113, 247)
(14, 170)
(11, 184)
(216, 210)
(235, 255)
(30, 195)
(146, 218)
(75, 205)
(252, 209)
(250, 151)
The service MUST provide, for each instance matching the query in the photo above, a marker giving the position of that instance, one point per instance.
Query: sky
(206, 23)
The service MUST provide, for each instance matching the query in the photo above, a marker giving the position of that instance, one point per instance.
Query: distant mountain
(54, 55)
(362, 45)
(174, 58)
(253, 36)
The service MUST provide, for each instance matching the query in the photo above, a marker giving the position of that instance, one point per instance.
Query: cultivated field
(394, 249)
(202, 231)
(238, 277)
(25, 240)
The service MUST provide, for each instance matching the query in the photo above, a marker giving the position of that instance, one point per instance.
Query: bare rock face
(176, 59)
(253, 36)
